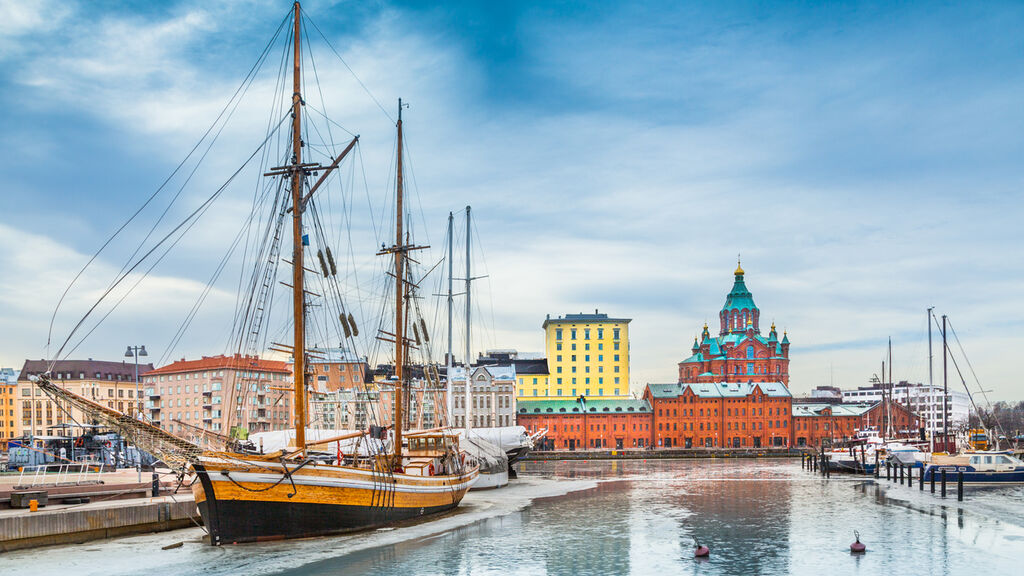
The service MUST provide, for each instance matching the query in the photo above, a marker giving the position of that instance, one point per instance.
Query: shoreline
(664, 454)
(196, 556)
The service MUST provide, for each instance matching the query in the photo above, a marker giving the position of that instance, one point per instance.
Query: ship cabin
(429, 454)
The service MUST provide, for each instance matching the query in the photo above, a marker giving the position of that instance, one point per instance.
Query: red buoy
(858, 547)
(700, 551)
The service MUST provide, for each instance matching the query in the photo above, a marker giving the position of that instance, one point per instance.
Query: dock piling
(960, 486)
(943, 482)
(888, 470)
(920, 480)
(877, 471)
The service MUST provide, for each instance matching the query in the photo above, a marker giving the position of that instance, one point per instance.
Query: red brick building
(813, 423)
(720, 415)
(589, 424)
(739, 353)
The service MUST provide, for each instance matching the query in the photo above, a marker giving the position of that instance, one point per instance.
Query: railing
(67, 474)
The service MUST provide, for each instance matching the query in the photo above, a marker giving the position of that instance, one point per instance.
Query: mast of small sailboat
(298, 295)
(450, 359)
(931, 387)
(469, 358)
(399, 296)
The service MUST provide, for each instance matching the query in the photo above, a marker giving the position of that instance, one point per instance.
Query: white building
(492, 391)
(922, 399)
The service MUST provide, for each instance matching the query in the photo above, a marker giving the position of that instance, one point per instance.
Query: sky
(863, 159)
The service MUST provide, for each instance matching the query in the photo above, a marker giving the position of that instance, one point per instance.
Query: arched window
(750, 352)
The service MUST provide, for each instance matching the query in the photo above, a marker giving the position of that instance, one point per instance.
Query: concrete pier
(71, 524)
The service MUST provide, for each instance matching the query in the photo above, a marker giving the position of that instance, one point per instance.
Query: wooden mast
(298, 296)
(399, 297)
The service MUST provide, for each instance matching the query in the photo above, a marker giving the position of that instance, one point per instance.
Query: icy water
(628, 517)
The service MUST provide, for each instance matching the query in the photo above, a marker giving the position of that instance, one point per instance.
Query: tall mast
(298, 295)
(449, 359)
(399, 296)
(469, 280)
(931, 389)
(892, 388)
(945, 389)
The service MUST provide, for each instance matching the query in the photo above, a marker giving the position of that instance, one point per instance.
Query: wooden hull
(244, 500)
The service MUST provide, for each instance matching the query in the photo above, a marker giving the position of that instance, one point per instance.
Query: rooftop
(581, 317)
(74, 369)
(222, 362)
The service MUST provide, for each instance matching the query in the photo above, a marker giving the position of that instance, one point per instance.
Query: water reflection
(757, 517)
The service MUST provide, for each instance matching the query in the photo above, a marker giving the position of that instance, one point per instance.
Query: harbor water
(625, 517)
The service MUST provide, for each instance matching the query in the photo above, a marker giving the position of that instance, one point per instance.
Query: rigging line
(351, 71)
(202, 298)
(276, 104)
(132, 289)
(197, 211)
(973, 373)
(49, 335)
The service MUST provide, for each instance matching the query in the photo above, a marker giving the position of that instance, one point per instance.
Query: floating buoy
(858, 547)
(700, 551)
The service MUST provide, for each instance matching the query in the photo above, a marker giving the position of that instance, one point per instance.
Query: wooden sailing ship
(248, 497)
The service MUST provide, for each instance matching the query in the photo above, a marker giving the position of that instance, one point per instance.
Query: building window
(586, 333)
(558, 333)
(615, 333)
(750, 352)
(572, 333)
(558, 346)
(750, 368)
(600, 333)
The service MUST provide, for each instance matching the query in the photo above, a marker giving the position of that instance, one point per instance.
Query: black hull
(238, 521)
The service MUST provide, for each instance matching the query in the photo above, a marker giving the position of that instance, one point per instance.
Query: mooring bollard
(920, 479)
(933, 481)
(902, 474)
(156, 484)
(877, 471)
(960, 486)
(943, 482)
(888, 469)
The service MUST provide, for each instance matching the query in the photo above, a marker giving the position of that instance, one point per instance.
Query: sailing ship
(245, 496)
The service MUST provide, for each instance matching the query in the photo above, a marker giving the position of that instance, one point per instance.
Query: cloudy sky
(865, 160)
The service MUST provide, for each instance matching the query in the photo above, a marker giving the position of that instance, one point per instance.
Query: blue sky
(864, 159)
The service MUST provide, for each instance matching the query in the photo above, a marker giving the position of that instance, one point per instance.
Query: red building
(813, 423)
(589, 424)
(720, 415)
(739, 353)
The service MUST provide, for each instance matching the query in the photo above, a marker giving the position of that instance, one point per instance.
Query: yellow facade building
(587, 354)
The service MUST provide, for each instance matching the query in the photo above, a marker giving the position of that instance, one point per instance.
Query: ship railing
(59, 474)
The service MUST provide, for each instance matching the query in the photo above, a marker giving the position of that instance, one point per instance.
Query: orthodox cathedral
(740, 353)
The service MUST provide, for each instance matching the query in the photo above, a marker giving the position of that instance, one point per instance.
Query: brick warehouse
(678, 416)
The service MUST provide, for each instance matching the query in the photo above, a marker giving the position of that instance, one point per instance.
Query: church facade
(740, 353)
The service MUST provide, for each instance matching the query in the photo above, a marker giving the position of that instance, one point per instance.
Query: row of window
(586, 346)
(586, 333)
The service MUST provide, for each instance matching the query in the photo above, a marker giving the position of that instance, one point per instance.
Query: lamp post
(135, 352)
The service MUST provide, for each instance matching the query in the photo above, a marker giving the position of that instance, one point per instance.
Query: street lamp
(135, 352)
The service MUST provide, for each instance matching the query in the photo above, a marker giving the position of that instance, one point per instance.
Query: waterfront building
(218, 392)
(816, 422)
(533, 378)
(424, 403)
(924, 400)
(492, 394)
(8, 384)
(740, 353)
(580, 424)
(720, 414)
(109, 383)
(587, 355)
(337, 368)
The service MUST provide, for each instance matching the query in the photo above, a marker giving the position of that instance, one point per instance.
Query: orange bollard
(33, 505)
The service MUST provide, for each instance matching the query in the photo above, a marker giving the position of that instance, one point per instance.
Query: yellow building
(588, 355)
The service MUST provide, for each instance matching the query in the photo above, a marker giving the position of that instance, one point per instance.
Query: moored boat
(982, 467)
